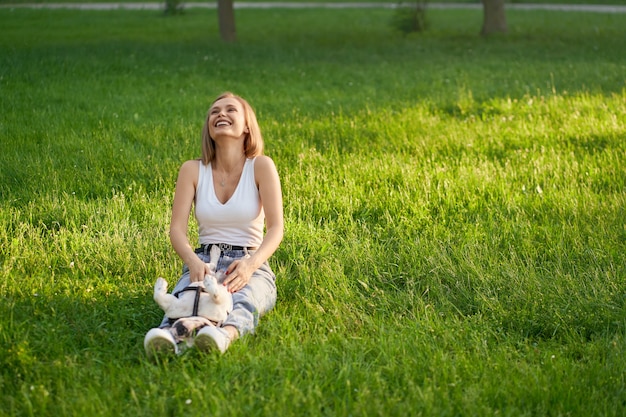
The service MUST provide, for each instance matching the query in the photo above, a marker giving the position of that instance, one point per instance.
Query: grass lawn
(455, 212)
(597, 2)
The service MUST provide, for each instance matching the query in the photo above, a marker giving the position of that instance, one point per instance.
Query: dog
(203, 303)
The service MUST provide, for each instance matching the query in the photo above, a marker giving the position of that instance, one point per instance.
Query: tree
(494, 18)
(226, 20)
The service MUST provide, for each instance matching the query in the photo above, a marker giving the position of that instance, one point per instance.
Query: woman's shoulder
(191, 164)
(190, 168)
(264, 169)
(263, 162)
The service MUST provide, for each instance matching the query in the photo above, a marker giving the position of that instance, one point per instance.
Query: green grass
(455, 212)
(597, 2)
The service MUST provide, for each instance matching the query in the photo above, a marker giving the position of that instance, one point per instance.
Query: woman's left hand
(238, 274)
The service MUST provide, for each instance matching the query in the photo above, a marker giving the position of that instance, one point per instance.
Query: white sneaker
(211, 338)
(159, 341)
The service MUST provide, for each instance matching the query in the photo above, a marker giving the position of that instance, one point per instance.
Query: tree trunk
(494, 18)
(226, 20)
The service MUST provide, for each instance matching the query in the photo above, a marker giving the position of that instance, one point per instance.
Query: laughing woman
(236, 193)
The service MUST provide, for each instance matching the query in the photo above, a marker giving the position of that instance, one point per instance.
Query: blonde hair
(252, 143)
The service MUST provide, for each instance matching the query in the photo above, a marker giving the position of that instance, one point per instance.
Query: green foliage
(455, 235)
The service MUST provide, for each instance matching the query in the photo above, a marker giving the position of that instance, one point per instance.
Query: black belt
(206, 249)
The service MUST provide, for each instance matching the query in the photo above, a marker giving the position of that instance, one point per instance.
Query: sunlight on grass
(454, 208)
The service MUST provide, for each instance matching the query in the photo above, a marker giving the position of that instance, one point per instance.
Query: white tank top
(237, 222)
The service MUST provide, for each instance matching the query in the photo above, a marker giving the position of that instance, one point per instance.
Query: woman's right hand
(197, 270)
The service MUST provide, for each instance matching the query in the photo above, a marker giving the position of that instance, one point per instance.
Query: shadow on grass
(41, 330)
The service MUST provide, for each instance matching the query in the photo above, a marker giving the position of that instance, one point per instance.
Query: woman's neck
(229, 161)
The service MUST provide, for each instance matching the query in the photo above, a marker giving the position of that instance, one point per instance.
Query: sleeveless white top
(237, 222)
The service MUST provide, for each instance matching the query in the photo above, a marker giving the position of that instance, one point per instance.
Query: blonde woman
(236, 193)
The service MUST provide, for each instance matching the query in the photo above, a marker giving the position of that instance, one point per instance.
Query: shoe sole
(160, 346)
(205, 343)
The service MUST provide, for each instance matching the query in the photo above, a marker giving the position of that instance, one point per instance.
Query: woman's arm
(272, 201)
(181, 210)
(270, 192)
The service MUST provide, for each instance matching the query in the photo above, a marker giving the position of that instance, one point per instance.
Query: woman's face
(227, 119)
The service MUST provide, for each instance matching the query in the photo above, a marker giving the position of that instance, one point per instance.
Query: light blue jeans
(250, 302)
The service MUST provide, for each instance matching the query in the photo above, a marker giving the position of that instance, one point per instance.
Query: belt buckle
(225, 247)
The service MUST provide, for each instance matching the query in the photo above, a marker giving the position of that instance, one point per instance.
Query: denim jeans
(250, 302)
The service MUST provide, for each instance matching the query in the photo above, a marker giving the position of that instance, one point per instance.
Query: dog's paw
(212, 268)
(160, 286)
(209, 283)
(214, 254)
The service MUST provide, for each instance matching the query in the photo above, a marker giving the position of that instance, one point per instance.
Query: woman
(236, 192)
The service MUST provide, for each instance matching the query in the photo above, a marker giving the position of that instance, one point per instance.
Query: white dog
(203, 303)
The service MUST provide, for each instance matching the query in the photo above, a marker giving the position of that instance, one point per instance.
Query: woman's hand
(198, 269)
(238, 274)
